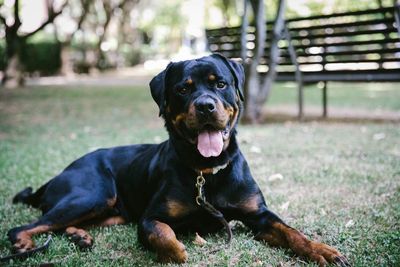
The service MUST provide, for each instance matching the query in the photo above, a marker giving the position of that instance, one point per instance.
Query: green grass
(367, 96)
(340, 181)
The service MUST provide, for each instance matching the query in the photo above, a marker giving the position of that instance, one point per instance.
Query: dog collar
(213, 170)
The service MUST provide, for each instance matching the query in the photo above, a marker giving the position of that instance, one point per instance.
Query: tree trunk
(274, 54)
(101, 59)
(252, 85)
(67, 67)
(13, 74)
(257, 87)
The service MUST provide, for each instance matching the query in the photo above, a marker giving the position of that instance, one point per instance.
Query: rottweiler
(154, 185)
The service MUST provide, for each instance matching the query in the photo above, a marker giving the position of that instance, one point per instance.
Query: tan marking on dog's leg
(79, 236)
(115, 220)
(167, 247)
(250, 204)
(284, 236)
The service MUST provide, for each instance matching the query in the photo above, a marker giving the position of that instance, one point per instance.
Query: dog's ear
(158, 89)
(237, 71)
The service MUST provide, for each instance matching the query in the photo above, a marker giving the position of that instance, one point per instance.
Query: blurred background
(126, 42)
(84, 36)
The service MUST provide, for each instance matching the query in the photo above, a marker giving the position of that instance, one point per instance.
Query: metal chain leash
(201, 201)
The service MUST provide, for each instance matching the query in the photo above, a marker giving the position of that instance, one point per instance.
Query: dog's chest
(198, 220)
(189, 216)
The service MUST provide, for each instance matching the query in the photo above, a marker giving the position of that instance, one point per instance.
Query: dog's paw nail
(342, 261)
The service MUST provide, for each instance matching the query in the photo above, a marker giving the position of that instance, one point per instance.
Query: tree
(258, 85)
(109, 7)
(78, 10)
(93, 19)
(13, 74)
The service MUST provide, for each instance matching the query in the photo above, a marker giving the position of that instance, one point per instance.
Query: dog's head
(201, 101)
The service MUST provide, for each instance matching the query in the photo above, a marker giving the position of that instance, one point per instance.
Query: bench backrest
(351, 46)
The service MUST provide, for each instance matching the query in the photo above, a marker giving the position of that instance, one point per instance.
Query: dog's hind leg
(70, 211)
(21, 237)
(79, 236)
(82, 238)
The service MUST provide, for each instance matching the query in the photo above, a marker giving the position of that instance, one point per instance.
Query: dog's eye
(182, 90)
(221, 85)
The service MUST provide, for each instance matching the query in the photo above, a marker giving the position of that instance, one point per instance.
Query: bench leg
(325, 99)
(300, 114)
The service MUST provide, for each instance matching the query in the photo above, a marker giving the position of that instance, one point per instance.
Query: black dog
(201, 101)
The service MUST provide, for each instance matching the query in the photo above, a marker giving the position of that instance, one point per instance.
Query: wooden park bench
(360, 46)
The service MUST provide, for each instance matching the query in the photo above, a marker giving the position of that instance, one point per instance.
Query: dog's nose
(205, 105)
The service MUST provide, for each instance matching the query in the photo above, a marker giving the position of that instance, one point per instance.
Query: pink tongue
(210, 143)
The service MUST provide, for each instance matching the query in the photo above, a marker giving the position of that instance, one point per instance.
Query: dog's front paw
(173, 254)
(324, 254)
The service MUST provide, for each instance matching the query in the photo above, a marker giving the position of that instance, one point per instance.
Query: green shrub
(2, 55)
(42, 56)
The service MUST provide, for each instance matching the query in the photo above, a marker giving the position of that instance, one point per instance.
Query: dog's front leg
(270, 228)
(159, 237)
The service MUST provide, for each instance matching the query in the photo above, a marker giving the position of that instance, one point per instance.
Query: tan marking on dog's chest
(176, 208)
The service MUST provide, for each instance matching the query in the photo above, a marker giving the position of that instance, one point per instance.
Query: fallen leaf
(234, 260)
(73, 136)
(255, 149)
(199, 241)
(285, 206)
(323, 212)
(350, 223)
(257, 262)
(274, 177)
(379, 136)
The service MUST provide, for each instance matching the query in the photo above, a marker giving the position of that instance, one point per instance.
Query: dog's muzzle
(213, 127)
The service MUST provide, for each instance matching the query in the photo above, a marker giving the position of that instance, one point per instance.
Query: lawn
(340, 181)
(367, 96)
